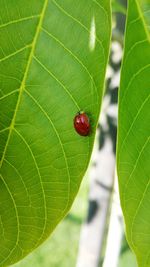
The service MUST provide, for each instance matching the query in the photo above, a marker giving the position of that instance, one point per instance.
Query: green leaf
(134, 129)
(145, 6)
(53, 58)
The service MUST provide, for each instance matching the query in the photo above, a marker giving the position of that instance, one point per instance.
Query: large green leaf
(53, 59)
(134, 129)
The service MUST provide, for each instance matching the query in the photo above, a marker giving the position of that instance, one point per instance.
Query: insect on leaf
(53, 58)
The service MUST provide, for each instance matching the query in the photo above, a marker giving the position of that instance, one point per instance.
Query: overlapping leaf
(134, 131)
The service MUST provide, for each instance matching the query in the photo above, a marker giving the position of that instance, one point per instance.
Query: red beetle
(82, 123)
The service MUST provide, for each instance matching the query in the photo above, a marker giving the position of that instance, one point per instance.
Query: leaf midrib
(22, 86)
(143, 21)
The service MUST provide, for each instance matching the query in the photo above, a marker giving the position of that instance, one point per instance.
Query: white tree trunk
(102, 179)
(91, 239)
(115, 232)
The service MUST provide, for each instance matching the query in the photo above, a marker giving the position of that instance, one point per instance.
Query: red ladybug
(82, 124)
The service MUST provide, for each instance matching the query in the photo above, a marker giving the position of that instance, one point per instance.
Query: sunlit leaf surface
(53, 57)
(134, 131)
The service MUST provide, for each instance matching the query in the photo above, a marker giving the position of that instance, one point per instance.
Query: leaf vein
(131, 81)
(79, 22)
(64, 87)
(15, 53)
(19, 20)
(58, 136)
(20, 96)
(17, 219)
(73, 55)
(134, 167)
(132, 124)
(40, 178)
(9, 94)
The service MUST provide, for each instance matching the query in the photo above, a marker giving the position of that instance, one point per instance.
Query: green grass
(60, 250)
